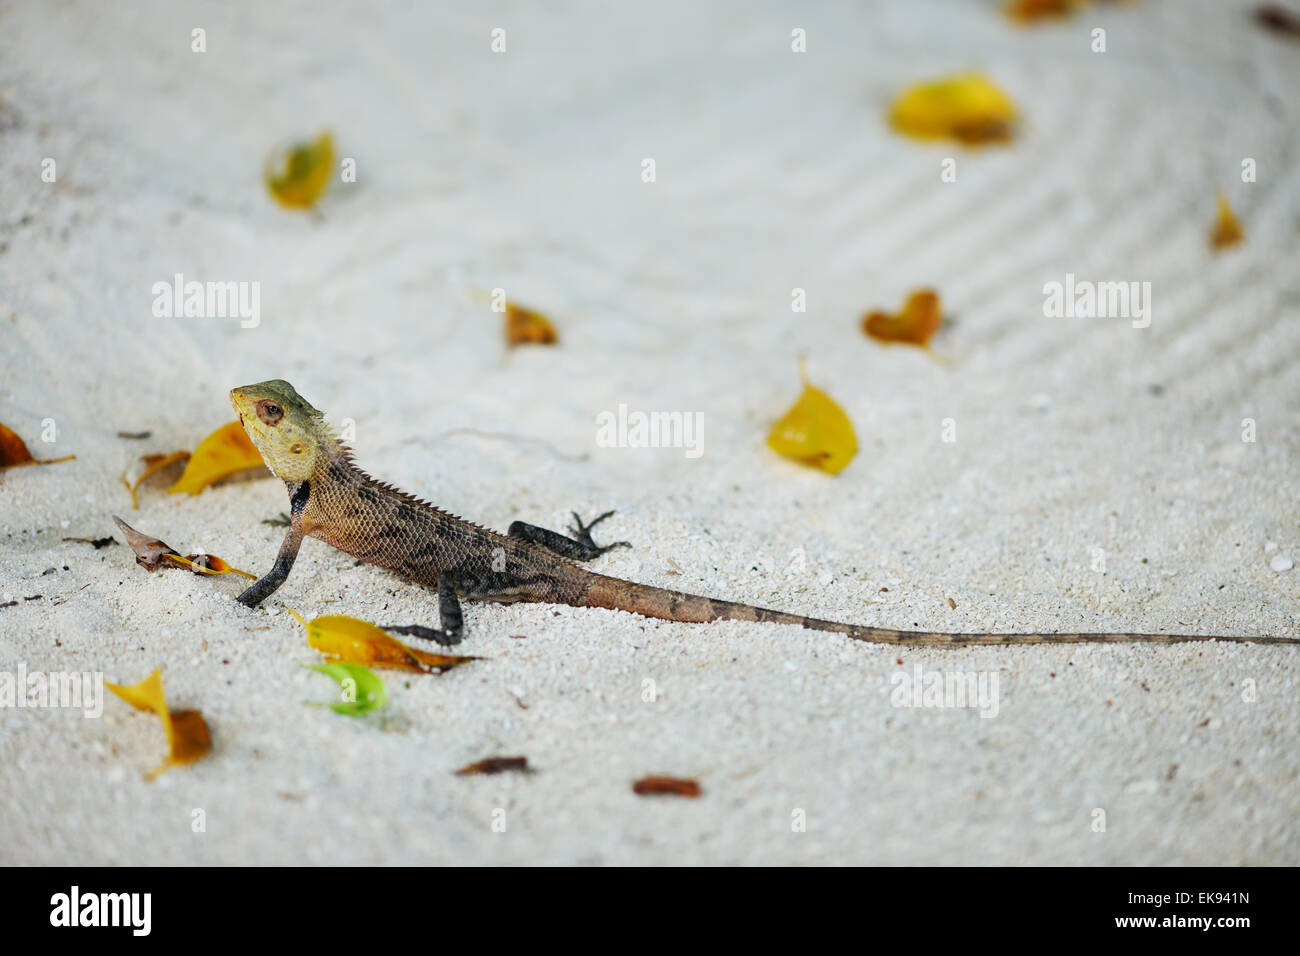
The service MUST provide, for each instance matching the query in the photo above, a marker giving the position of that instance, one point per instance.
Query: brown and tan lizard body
(333, 500)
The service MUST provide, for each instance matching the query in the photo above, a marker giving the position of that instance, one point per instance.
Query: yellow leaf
(152, 465)
(354, 641)
(146, 695)
(13, 451)
(191, 739)
(1227, 230)
(967, 107)
(188, 738)
(225, 452)
(528, 327)
(211, 564)
(297, 179)
(815, 431)
(915, 325)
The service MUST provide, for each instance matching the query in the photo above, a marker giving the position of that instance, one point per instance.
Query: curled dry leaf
(492, 765)
(361, 688)
(352, 640)
(153, 553)
(1227, 230)
(528, 327)
(188, 738)
(667, 786)
(227, 451)
(150, 552)
(815, 431)
(153, 464)
(14, 453)
(915, 325)
(299, 177)
(967, 107)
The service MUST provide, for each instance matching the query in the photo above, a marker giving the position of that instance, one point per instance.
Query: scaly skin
(333, 500)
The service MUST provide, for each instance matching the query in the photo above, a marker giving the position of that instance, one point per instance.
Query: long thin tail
(619, 595)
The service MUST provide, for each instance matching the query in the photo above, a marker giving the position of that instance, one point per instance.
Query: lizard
(335, 501)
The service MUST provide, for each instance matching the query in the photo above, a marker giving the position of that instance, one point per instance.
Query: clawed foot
(582, 533)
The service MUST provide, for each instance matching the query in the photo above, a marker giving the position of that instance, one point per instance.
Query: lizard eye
(269, 412)
(296, 448)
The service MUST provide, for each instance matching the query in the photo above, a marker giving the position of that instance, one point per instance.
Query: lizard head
(291, 435)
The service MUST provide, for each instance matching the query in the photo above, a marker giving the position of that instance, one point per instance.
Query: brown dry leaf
(915, 325)
(149, 552)
(153, 553)
(528, 327)
(1027, 12)
(14, 453)
(667, 786)
(967, 107)
(95, 543)
(1227, 230)
(1278, 19)
(815, 431)
(491, 765)
(299, 177)
(354, 641)
(227, 451)
(152, 465)
(188, 738)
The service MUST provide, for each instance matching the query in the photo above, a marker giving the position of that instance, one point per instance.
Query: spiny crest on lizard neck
(293, 436)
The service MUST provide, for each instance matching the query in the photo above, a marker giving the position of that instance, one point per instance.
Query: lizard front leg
(263, 587)
(580, 547)
(449, 613)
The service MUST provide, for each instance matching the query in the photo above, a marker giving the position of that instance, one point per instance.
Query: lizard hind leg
(580, 547)
(449, 613)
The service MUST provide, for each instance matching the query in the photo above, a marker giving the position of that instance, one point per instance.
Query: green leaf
(361, 688)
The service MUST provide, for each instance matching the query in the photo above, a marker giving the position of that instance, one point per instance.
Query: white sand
(774, 171)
